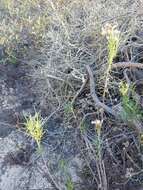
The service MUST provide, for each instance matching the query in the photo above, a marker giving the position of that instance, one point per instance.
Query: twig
(79, 91)
(127, 64)
(127, 77)
(48, 175)
(97, 102)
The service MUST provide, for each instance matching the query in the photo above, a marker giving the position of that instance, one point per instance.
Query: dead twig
(48, 175)
(127, 64)
(97, 102)
(79, 91)
(125, 72)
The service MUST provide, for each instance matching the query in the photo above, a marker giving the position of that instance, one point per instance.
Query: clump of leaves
(131, 109)
(34, 128)
(68, 108)
(68, 111)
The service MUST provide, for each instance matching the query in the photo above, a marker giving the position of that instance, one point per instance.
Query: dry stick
(79, 91)
(130, 158)
(48, 174)
(126, 77)
(97, 102)
(99, 163)
(127, 64)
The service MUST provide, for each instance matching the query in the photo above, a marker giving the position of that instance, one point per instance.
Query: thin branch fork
(97, 102)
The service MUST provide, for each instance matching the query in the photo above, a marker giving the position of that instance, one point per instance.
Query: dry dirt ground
(21, 166)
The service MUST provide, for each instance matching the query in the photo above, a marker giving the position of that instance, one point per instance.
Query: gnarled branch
(97, 102)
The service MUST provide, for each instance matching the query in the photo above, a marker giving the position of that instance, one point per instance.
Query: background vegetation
(87, 66)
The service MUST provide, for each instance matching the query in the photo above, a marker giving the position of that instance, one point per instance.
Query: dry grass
(73, 39)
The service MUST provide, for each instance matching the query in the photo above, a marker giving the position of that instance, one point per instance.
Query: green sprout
(131, 109)
(69, 184)
(98, 140)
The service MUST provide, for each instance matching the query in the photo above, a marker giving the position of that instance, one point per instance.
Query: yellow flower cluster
(34, 128)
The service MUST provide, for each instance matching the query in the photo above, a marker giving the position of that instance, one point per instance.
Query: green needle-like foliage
(34, 128)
